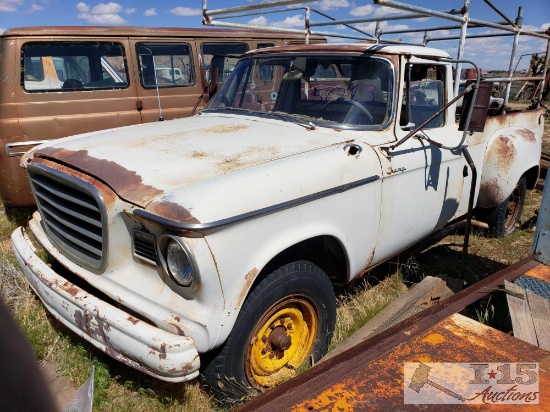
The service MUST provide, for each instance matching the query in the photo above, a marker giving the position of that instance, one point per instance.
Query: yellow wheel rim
(281, 342)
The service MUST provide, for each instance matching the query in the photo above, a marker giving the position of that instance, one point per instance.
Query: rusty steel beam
(325, 375)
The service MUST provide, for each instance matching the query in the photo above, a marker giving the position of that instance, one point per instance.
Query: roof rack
(460, 16)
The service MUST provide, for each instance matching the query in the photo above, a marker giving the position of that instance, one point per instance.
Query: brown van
(62, 81)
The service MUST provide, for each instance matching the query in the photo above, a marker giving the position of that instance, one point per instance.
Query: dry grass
(357, 307)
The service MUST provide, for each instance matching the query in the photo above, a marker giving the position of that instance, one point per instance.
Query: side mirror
(480, 107)
(408, 127)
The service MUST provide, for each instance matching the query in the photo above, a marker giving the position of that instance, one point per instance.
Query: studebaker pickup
(213, 242)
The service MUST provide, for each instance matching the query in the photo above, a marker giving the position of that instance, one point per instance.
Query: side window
(213, 53)
(67, 66)
(165, 65)
(423, 95)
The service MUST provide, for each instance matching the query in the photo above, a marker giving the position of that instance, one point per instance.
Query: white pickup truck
(213, 242)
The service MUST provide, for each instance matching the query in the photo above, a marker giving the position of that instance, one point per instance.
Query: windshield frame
(247, 62)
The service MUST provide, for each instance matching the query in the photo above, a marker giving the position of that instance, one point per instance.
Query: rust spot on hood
(127, 184)
(232, 128)
(107, 193)
(527, 135)
(172, 211)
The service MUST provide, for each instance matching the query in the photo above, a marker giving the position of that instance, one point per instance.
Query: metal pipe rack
(505, 28)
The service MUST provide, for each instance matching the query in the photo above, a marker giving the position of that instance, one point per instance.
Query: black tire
(299, 287)
(502, 219)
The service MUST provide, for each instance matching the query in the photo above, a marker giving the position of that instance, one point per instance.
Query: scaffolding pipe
(501, 14)
(471, 36)
(461, 43)
(544, 72)
(455, 27)
(376, 19)
(334, 21)
(259, 6)
(519, 23)
(443, 15)
(255, 13)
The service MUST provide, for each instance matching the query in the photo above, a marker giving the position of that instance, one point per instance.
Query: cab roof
(354, 48)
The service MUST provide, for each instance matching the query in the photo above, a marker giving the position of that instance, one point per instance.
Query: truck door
(422, 184)
(169, 77)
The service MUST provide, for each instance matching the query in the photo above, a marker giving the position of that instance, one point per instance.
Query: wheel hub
(281, 341)
(278, 339)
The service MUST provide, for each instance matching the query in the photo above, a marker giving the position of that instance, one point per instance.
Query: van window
(212, 53)
(165, 65)
(65, 66)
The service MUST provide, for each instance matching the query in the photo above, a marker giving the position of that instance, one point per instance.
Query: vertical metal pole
(377, 33)
(519, 23)
(461, 43)
(307, 23)
(544, 72)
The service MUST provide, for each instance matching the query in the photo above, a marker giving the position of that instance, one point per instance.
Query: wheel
(354, 105)
(502, 219)
(287, 320)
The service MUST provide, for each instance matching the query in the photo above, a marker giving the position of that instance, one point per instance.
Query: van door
(169, 77)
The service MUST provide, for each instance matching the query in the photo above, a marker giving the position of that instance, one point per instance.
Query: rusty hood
(143, 162)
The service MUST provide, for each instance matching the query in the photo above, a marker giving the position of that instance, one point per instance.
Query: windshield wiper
(237, 109)
(294, 119)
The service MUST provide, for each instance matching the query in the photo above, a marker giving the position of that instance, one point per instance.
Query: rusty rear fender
(511, 152)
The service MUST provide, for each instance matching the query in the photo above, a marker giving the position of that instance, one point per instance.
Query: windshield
(343, 90)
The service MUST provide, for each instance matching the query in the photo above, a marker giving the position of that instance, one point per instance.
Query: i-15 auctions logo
(471, 383)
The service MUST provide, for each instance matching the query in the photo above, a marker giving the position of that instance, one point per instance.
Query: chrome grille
(145, 247)
(72, 215)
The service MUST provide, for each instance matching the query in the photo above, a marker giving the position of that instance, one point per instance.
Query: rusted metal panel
(370, 375)
(513, 147)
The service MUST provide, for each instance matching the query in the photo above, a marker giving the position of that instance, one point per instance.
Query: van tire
(262, 350)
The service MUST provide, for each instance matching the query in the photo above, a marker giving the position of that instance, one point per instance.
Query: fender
(511, 151)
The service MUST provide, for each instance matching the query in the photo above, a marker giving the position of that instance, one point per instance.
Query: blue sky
(490, 53)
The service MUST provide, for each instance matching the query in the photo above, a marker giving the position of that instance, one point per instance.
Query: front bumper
(161, 354)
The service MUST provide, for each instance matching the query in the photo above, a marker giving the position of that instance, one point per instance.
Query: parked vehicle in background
(60, 81)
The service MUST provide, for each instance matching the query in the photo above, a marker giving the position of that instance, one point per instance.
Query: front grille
(145, 247)
(72, 215)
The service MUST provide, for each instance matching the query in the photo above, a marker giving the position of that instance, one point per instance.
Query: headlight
(179, 264)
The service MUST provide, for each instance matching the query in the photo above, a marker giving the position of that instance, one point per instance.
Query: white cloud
(103, 13)
(150, 12)
(542, 27)
(35, 7)
(2, 30)
(108, 8)
(294, 21)
(258, 21)
(387, 11)
(130, 11)
(331, 4)
(10, 5)
(384, 25)
(362, 11)
(185, 11)
(83, 7)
